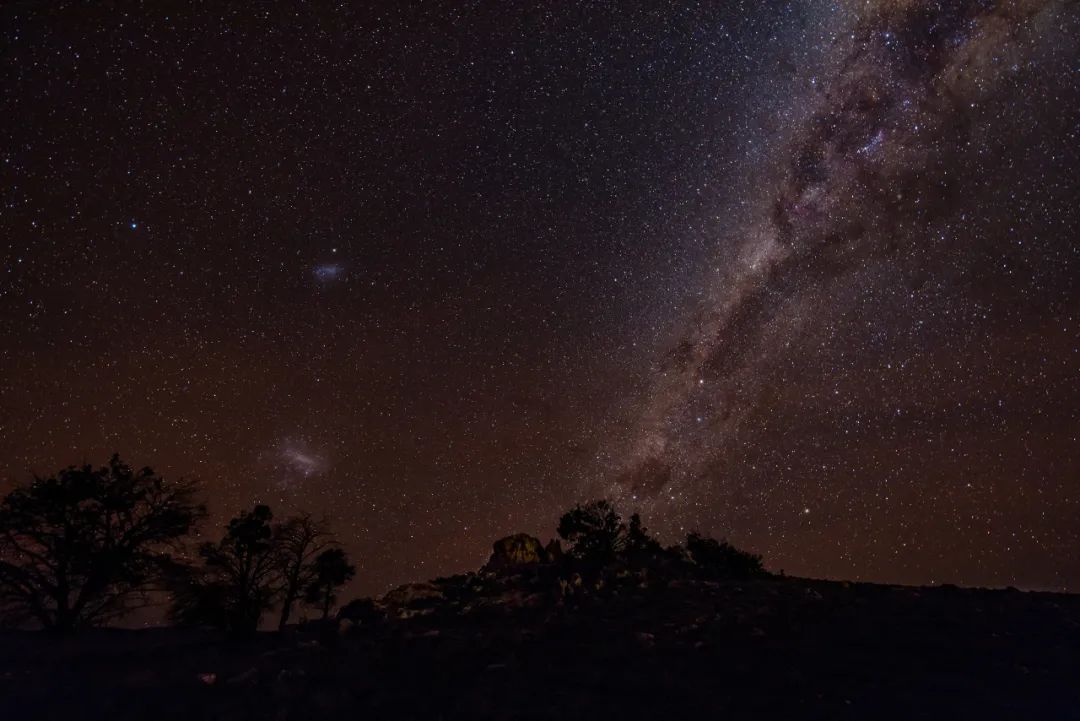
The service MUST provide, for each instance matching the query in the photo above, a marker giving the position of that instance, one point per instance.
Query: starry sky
(800, 274)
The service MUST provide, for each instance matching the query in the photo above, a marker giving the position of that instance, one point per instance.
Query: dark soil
(515, 647)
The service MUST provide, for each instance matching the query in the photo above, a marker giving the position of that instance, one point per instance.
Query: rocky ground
(541, 643)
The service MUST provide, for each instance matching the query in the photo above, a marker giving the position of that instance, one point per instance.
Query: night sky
(800, 274)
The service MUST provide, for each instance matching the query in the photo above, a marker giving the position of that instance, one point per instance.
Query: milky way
(926, 156)
(802, 274)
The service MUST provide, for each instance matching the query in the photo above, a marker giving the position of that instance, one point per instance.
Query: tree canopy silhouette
(300, 540)
(597, 535)
(85, 546)
(593, 530)
(257, 565)
(721, 558)
(239, 580)
(331, 571)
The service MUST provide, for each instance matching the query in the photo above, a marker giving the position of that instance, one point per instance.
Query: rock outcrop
(411, 600)
(515, 551)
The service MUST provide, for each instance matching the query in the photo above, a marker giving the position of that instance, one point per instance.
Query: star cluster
(800, 274)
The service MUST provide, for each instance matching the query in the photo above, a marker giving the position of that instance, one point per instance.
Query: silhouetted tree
(86, 545)
(299, 541)
(332, 571)
(239, 578)
(721, 558)
(638, 541)
(594, 531)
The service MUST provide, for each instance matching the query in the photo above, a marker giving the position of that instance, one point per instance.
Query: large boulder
(515, 551)
(360, 612)
(411, 594)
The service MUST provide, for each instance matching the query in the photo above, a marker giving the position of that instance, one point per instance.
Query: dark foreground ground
(493, 649)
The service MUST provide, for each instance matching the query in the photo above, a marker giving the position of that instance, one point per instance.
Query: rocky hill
(535, 636)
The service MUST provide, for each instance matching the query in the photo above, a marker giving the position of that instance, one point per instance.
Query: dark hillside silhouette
(694, 631)
(617, 626)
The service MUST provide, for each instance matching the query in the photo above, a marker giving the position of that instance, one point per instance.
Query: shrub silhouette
(85, 546)
(637, 541)
(721, 558)
(239, 580)
(593, 530)
(597, 535)
(331, 571)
